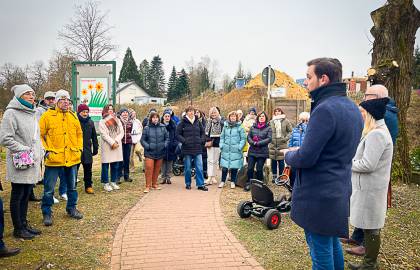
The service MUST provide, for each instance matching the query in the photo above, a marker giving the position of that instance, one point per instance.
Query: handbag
(23, 160)
(209, 144)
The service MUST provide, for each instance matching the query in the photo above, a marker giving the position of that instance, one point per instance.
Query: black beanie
(375, 107)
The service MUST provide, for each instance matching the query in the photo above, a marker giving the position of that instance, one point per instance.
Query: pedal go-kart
(264, 205)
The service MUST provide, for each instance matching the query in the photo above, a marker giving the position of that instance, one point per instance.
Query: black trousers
(233, 174)
(259, 161)
(124, 166)
(87, 174)
(19, 198)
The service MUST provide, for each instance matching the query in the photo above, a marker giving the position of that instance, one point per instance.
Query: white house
(130, 93)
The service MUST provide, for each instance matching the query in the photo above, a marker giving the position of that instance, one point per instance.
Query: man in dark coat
(90, 145)
(191, 134)
(322, 188)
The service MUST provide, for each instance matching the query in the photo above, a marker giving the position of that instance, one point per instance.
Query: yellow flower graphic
(99, 86)
(84, 92)
(90, 86)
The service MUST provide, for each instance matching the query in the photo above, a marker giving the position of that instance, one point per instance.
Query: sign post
(268, 78)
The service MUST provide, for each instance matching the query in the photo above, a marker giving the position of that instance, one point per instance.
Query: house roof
(122, 86)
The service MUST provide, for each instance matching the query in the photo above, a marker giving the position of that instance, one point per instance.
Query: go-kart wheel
(272, 219)
(177, 171)
(244, 209)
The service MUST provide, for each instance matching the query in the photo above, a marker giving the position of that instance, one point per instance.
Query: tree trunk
(394, 30)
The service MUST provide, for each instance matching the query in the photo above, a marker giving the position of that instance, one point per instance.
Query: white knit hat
(20, 89)
(60, 94)
(49, 94)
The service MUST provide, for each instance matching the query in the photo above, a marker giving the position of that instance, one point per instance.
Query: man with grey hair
(391, 120)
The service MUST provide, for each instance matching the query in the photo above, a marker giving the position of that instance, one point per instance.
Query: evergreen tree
(129, 70)
(156, 78)
(204, 83)
(182, 85)
(144, 70)
(172, 91)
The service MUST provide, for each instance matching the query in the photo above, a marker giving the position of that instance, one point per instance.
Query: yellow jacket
(62, 138)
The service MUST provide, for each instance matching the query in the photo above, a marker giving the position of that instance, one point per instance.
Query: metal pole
(269, 82)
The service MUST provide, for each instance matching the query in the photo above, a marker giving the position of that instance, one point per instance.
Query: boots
(372, 244)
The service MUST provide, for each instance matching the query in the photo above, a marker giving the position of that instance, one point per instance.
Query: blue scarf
(25, 103)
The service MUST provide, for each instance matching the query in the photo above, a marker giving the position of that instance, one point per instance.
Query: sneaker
(74, 213)
(146, 190)
(47, 219)
(107, 187)
(232, 185)
(222, 184)
(89, 190)
(64, 197)
(114, 186)
(55, 200)
(188, 187)
(203, 188)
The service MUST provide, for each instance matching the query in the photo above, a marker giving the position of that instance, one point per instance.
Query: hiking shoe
(55, 200)
(222, 184)
(64, 197)
(32, 230)
(107, 187)
(232, 185)
(114, 186)
(203, 188)
(146, 190)
(74, 213)
(47, 219)
(89, 190)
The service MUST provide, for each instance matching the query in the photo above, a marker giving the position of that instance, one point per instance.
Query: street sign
(278, 92)
(265, 76)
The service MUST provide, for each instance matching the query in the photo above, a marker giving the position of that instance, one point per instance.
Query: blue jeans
(50, 178)
(1, 224)
(114, 172)
(62, 188)
(198, 162)
(326, 252)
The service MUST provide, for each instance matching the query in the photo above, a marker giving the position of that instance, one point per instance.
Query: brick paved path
(175, 228)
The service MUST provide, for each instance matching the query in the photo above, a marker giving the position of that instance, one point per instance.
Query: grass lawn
(285, 248)
(69, 243)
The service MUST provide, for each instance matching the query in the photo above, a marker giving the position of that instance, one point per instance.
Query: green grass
(69, 243)
(285, 248)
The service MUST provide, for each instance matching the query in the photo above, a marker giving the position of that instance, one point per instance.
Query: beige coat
(370, 177)
(109, 155)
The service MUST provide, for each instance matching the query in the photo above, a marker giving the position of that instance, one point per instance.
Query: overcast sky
(283, 33)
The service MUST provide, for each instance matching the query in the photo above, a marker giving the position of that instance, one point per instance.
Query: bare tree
(37, 76)
(87, 35)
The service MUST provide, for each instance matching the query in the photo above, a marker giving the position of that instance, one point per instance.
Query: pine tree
(182, 85)
(204, 80)
(172, 94)
(157, 78)
(129, 70)
(144, 70)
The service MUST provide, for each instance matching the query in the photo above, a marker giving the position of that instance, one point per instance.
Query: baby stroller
(178, 164)
(264, 205)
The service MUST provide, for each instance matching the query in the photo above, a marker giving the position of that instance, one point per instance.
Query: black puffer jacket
(262, 137)
(90, 140)
(173, 142)
(155, 140)
(191, 136)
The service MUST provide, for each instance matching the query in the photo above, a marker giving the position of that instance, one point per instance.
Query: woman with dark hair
(201, 116)
(112, 132)
(170, 155)
(155, 141)
(282, 131)
(259, 137)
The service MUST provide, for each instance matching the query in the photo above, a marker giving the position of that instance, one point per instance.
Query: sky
(281, 33)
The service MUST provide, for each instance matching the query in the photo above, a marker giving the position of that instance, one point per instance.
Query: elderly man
(322, 188)
(45, 104)
(62, 138)
(391, 120)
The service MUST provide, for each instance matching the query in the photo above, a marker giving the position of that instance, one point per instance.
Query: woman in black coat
(90, 145)
(170, 155)
(259, 137)
(202, 119)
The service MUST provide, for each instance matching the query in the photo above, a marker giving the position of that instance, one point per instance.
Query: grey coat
(19, 131)
(370, 177)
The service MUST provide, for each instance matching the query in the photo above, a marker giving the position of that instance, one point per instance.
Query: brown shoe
(89, 190)
(357, 251)
(349, 241)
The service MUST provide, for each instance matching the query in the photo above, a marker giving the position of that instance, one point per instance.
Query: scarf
(278, 120)
(214, 127)
(192, 120)
(111, 123)
(261, 125)
(25, 103)
(83, 120)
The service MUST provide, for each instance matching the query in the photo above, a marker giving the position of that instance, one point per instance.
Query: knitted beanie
(82, 107)
(20, 89)
(375, 107)
(60, 94)
(253, 110)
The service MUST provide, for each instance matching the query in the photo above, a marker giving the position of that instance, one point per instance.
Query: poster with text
(94, 93)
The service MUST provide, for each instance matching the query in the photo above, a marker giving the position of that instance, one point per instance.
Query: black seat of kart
(261, 194)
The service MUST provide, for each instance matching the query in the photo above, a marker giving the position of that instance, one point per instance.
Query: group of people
(340, 155)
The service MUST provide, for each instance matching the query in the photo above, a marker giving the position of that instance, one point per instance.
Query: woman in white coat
(112, 132)
(370, 177)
